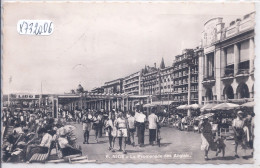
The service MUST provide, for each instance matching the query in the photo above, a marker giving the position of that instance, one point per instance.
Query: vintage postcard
(128, 82)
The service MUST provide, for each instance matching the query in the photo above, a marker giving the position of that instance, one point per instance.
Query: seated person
(43, 147)
(66, 148)
(18, 129)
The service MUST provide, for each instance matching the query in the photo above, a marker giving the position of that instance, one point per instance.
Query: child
(220, 145)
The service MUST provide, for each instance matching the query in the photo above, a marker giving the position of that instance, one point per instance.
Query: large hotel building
(227, 65)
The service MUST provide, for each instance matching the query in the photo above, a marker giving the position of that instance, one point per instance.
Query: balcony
(209, 80)
(195, 72)
(194, 81)
(194, 90)
(242, 73)
(229, 74)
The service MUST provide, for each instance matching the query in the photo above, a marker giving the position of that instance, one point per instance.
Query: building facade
(97, 90)
(227, 65)
(185, 77)
(149, 81)
(114, 86)
(132, 84)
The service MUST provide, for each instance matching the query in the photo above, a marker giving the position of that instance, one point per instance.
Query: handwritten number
(36, 27)
(21, 27)
(31, 25)
(26, 27)
(45, 27)
(40, 30)
(50, 28)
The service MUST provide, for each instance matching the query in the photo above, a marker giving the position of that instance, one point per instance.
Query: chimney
(155, 65)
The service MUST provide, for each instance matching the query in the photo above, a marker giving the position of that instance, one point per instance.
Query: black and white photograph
(128, 82)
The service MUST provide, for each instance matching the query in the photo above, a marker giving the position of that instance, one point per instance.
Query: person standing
(86, 123)
(111, 131)
(141, 118)
(96, 124)
(137, 123)
(121, 125)
(153, 123)
(101, 124)
(131, 127)
(238, 125)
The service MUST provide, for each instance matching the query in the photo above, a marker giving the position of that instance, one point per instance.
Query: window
(244, 51)
(210, 64)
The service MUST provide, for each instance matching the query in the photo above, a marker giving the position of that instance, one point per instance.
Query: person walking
(131, 127)
(153, 123)
(238, 125)
(121, 125)
(95, 126)
(206, 136)
(111, 131)
(86, 123)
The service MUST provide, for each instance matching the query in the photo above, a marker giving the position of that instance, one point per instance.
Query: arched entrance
(209, 94)
(228, 92)
(242, 91)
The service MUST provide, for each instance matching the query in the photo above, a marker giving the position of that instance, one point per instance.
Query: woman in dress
(206, 136)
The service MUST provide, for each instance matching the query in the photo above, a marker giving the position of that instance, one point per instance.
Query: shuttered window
(244, 51)
(230, 55)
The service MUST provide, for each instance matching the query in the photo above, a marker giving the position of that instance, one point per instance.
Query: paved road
(176, 147)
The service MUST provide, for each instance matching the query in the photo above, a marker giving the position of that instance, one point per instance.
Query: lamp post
(190, 63)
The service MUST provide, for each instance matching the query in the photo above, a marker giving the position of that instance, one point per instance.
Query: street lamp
(190, 63)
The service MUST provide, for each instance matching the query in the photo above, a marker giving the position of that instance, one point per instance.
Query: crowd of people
(38, 132)
(121, 126)
(214, 128)
(35, 133)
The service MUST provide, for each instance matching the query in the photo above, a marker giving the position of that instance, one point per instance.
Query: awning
(162, 102)
(201, 117)
(225, 106)
(149, 105)
(248, 104)
(182, 107)
(194, 106)
(208, 107)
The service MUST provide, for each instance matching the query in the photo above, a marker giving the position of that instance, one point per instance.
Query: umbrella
(201, 117)
(207, 107)
(225, 106)
(149, 105)
(248, 104)
(182, 107)
(194, 106)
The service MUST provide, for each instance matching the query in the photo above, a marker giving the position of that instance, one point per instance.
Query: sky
(93, 43)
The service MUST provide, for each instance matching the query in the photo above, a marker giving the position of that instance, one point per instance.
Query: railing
(243, 72)
(209, 78)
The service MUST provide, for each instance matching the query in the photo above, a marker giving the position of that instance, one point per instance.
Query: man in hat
(237, 126)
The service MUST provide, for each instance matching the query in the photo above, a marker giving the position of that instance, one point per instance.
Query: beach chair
(39, 157)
